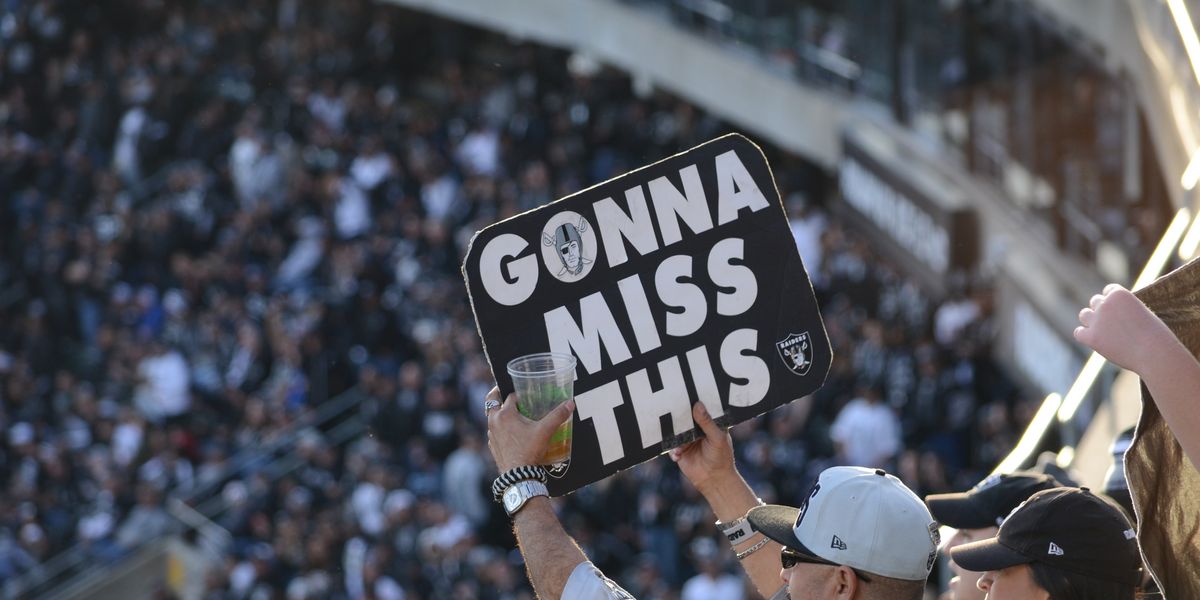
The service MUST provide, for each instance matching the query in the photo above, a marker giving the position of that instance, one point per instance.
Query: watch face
(512, 499)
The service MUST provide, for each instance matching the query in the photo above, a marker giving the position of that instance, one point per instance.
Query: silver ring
(489, 405)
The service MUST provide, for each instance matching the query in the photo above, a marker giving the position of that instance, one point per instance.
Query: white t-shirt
(869, 433)
(808, 232)
(165, 391)
(588, 583)
(722, 587)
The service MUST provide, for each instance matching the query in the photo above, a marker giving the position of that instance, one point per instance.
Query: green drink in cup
(542, 381)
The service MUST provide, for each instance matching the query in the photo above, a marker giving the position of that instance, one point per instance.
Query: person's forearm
(550, 554)
(1174, 381)
(730, 498)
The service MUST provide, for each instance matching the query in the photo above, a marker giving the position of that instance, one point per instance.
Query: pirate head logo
(558, 469)
(568, 246)
(935, 536)
(796, 352)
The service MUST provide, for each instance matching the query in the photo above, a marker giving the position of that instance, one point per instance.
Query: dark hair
(1065, 585)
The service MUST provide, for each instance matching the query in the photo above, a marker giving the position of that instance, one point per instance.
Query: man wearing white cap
(859, 534)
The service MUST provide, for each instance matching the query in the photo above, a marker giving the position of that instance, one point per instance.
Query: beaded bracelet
(754, 548)
(515, 474)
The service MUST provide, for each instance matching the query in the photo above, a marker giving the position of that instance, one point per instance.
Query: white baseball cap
(858, 517)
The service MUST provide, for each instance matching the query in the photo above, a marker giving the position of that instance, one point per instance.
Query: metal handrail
(248, 457)
(1065, 408)
(67, 566)
(279, 466)
(218, 536)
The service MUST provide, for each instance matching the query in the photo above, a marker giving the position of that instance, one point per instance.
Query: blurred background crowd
(216, 216)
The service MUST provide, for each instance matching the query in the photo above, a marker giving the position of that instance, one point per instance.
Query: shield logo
(558, 469)
(796, 352)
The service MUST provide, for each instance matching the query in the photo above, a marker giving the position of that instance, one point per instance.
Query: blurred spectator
(162, 391)
(711, 582)
(866, 432)
(147, 520)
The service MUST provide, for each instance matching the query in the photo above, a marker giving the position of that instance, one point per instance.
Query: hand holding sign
(675, 284)
(708, 461)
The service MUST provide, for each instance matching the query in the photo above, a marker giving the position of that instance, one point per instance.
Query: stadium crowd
(217, 215)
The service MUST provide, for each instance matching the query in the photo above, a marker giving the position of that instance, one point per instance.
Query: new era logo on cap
(837, 543)
(1054, 550)
(990, 481)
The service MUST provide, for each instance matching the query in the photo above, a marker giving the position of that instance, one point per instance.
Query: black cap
(1115, 485)
(989, 502)
(1065, 528)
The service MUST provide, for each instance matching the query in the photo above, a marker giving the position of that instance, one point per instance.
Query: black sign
(675, 283)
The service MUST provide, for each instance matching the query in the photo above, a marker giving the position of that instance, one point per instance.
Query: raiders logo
(796, 352)
(568, 246)
(558, 469)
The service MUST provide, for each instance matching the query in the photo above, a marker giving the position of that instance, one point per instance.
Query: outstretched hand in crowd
(1124, 330)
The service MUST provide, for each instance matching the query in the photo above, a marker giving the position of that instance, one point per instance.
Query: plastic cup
(542, 381)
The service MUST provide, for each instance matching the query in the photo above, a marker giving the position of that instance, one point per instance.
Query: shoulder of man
(589, 583)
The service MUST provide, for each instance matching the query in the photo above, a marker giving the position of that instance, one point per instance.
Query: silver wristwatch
(520, 492)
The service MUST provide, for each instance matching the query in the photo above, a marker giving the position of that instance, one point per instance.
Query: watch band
(515, 474)
(519, 494)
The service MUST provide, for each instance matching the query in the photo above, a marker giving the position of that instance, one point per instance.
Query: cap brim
(987, 555)
(775, 522)
(959, 511)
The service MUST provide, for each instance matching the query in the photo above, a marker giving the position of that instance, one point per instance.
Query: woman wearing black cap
(1061, 544)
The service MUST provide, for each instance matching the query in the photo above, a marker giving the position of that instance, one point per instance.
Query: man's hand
(707, 461)
(708, 464)
(516, 441)
(1118, 326)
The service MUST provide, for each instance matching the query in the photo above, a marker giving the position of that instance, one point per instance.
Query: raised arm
(552, 558)
(1122, 329)
(708, 464)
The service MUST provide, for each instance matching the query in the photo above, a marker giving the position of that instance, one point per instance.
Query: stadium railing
(1067, 415)
(136, 575)
(1167, 31)
(76, 568)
